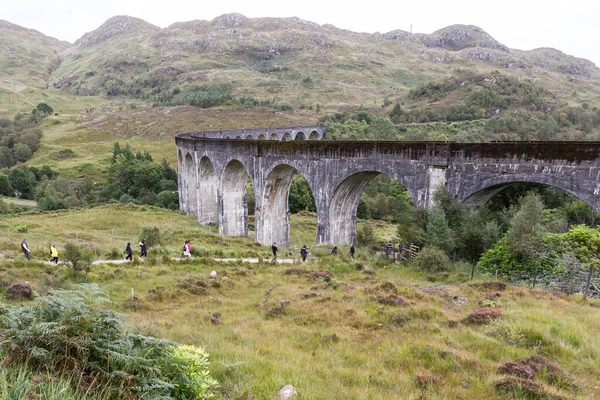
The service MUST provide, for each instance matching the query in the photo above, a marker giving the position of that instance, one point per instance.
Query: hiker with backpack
(187, 249)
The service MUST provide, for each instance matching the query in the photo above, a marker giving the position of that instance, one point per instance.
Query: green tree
(150, 235)
(48, 199)
(44, 108)
(23, 181)
(524, 236)
(5, 188)
(167, 199)
(6, 157)
(169, 173)
(300, 197)
(455, 212)
(79, 259)
(362, 211)
(432, 259)
(477, 234)
(22, 152)
(365, 236)
(437, 232)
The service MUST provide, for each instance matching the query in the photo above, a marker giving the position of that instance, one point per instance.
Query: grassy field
(92, 148)
(365, 329)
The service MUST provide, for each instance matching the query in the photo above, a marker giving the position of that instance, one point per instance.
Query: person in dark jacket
(143, 252)
(334, 251)
(352, 251)
(274, 250)
(303, 253)
(128, 252)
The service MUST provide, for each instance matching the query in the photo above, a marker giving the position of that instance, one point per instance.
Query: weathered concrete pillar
(232, 201)
(191, 186)
(437, 178)
(323, 232)
(274, 221)
(180, 180)
(207, 192)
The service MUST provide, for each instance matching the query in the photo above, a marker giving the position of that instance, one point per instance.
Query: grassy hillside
(294, 61)
(27, 62)
(363, 329)
(285, 71)
(90, 149)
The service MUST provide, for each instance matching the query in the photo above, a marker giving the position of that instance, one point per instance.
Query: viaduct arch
(214, 167)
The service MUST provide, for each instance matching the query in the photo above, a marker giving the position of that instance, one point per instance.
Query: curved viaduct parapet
(337, 172)
(281, 134)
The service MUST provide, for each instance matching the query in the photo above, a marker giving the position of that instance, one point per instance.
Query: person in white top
(25, 248)
(187, 249)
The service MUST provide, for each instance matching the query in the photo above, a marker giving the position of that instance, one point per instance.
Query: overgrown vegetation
(20, 138)
(472, 108)
(65, 333)
(134, 178)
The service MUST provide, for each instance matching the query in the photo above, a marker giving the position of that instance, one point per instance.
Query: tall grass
(19, 383)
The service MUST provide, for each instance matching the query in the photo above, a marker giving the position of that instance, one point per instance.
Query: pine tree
(437, 232)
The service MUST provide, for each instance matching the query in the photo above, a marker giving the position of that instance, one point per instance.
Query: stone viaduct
(213, 168)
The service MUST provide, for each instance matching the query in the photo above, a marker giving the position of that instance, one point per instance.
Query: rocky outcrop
(458, 37)
(116, 26)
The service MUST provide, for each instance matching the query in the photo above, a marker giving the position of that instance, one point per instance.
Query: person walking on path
(187, 249)
(274, 250)
(334, 251)
(25, 248)
(143, 252)
(128, 252)
(54, 254)
(352, 251)
(303, 253)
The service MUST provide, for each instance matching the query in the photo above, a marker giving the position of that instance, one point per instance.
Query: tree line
(131, 178)
(20, 137)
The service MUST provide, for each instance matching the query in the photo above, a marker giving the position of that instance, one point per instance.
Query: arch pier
(215, 166)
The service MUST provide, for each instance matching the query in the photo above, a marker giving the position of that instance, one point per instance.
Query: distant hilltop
(279, 60)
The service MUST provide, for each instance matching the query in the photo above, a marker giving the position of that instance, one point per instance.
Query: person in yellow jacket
(54, 253)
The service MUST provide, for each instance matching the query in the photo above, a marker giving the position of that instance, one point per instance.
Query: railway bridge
(213, 168)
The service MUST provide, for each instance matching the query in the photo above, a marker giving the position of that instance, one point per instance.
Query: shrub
(193, 377)
(432, 259)
(91, 346)
(79, 259)
(21, 228)
(151, 236)
(365, 236)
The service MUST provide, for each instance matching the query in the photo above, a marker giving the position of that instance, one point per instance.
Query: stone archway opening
(285, 192)
(498, 198)
(365, 195)
(233, 217)
(300, 136)
(261, 137)
(191, 186)
(273, 136)
(207, 192)
(286, 137)
(314, 135)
